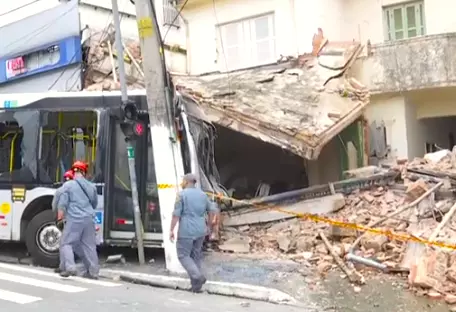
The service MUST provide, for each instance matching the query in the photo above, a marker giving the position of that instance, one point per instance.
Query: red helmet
(69, 175)
(80, 166)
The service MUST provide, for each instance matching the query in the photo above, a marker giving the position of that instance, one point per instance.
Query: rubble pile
(419, 205)
(101, 72)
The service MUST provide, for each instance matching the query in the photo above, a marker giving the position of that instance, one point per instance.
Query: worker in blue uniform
(77, 203)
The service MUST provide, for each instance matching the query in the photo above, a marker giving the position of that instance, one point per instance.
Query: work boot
(67, 273)
(198, 285)
(90, 276)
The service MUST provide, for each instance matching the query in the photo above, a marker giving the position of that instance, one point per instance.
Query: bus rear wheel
(42, 238)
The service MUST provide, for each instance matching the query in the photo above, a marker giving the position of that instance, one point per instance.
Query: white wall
(296, 21)
(408, 128)
(327, 167)
(364, 19)
(391, 110)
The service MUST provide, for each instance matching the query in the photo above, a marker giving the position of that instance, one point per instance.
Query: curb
(239, 290)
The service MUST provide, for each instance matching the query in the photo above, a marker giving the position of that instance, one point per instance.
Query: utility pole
(161, 122)
(130, 113)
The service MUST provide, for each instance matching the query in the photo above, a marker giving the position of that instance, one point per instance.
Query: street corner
(238, 290)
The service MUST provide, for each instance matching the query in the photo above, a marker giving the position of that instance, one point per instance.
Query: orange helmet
(80, 166)
(68, 175)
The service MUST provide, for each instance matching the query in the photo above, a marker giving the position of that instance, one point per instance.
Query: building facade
(407, 63)
(96, 15)
(41, 51)
(29, 29)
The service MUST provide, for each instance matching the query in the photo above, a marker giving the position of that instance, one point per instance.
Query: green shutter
(404, 21)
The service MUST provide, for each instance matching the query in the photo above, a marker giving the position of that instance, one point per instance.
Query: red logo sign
(15, 67)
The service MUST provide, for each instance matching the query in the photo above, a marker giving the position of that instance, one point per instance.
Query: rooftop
(299, 104)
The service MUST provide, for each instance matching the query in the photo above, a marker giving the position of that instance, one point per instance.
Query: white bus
(41, 134)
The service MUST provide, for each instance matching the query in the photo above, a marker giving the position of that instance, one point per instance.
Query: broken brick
(416, 189)
(428, 271)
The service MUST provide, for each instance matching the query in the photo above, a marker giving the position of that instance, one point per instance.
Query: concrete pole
(130, 150)
(161, 125)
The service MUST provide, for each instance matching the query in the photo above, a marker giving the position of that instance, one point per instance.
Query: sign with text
(15, 66)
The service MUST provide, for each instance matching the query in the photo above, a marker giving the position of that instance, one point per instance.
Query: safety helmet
(80, 166)
(69, 175)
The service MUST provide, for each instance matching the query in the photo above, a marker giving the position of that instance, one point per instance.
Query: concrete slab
(322, 205)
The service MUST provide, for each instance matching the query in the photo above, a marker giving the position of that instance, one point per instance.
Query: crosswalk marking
(17, 297)
(39, 283)
(54, 275)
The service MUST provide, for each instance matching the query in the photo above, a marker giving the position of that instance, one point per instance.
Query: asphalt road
(24, 288)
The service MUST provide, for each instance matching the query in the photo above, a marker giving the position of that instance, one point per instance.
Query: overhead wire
(18, 8)
(103, 32)
(222, 47)
(37, 31)
(175, 18)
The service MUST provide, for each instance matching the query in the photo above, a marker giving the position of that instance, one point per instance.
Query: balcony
(411, 64)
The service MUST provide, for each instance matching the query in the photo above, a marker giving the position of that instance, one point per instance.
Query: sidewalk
(382, 294)
(226, 276)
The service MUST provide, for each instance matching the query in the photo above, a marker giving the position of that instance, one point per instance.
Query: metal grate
(170, 13)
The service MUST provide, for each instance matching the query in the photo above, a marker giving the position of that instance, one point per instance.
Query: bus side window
(67, 137)
(18, 144)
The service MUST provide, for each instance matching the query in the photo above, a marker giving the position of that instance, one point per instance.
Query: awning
(299, 105)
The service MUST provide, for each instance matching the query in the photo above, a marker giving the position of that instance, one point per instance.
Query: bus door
(19, 132)
(119, 224)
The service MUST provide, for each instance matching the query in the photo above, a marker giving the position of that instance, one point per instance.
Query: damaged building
(267, 129)
(283, 127)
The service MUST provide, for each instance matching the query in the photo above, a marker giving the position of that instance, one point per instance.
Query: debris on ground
(406, 203)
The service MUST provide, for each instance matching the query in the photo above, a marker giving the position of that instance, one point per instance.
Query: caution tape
(388, 233)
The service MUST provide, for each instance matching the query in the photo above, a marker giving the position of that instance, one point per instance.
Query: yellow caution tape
(388, 233)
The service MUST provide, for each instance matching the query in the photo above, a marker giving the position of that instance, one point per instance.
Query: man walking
(77, 203)
(190, 210)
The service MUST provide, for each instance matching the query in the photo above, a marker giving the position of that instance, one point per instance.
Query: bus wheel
(42, 238)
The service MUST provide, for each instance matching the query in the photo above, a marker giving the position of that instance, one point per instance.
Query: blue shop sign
(43, 59)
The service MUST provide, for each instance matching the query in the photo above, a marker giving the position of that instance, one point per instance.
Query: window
(404, 21)
(18, 146)
(66, 137)
(170, 13)
(247, 43)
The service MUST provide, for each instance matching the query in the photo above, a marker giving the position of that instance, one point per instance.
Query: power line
(19, 7)
(175, 18)
(39, 30)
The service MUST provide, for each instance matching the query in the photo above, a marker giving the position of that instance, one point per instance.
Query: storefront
(42, 52)
(53, 57)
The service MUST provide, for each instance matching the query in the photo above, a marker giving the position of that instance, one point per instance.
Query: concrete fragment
(324, 267)
(369, 198)
(373, 241)
(305, 243)
(284, 243)
(283, 225)
(438, 156)
(361, 172)
(115, 259)
(450, 299)
(434, 295)
(337, 232)
(239, 244)
(322, 205)
(413, 252)
(416, 189)
(429, 270)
